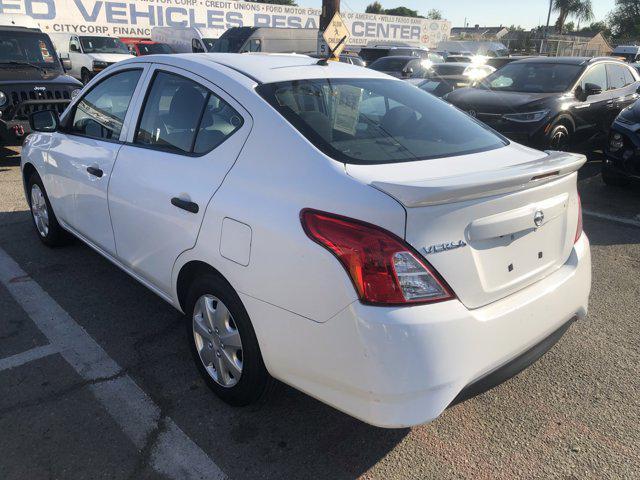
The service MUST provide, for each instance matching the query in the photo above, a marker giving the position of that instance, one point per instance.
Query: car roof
(264, 67)
(580, 61)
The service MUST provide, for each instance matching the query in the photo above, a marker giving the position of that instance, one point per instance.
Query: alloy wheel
(39, 210)
(217, 340)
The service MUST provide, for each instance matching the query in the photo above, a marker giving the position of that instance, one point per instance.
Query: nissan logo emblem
(538, 218)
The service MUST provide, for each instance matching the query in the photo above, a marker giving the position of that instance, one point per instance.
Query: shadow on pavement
(288, 435)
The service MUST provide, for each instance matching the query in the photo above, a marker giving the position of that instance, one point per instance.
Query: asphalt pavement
(97, 382)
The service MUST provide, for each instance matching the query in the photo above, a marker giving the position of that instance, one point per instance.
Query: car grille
(17, 96)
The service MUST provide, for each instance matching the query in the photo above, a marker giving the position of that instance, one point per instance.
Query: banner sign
(134, 18)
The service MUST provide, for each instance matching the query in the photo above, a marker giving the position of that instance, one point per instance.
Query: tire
(208, 349)
(44, 219)
(559, 138)
(613, 180)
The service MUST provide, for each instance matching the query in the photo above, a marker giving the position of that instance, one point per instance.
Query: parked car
(459, 59)
(186, 39)
(267, 39)
(373, 52)
(442, 78)
(401, 66)
(89, 54)
(144, 46)
(630, 53)
(622, 164)
(32, 77)
(558, 103)
(352, 59)
(326, 225)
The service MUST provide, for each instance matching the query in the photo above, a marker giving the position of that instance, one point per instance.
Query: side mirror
(74, 48)
(66, 64)
(407, 72)
(592, 89)
(44, 121)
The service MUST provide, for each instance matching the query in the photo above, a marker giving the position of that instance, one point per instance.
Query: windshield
(371, 121)
(389, 64)
(28, 47)
(209, 43)
(154, 48)
(233, 39)
(103, 45)
(532, 77)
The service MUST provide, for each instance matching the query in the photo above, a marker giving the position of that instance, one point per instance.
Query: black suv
(622, 164)
(557, 103)
(32, 78)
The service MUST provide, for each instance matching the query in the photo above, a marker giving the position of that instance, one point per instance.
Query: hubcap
(217, 340)
(559, 140)
(39, 210)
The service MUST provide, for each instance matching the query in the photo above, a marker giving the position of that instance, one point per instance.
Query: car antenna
(325, 61)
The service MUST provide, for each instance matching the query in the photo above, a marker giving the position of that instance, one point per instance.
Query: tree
(569, 27)
(375, 7)
(289, 3)
(402, 12)
(434, 14)
(579, 9)
(598, 27)
(625, 19)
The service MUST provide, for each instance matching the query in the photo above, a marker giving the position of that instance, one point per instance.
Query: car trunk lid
(494, 223)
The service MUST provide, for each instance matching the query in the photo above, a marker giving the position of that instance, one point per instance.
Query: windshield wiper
(28, 64)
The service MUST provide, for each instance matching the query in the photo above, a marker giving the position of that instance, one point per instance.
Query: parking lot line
(26, 357)
(171, 452)
(612, 218)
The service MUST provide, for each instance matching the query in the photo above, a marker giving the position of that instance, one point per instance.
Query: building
(478, 33)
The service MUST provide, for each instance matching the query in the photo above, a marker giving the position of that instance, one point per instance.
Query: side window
(628, 76)
(100, 113)
(182, 116)
(596, 75)
(616, 74)
(74, 44)
(255, 45)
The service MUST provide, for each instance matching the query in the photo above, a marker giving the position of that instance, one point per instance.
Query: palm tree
(581, 10)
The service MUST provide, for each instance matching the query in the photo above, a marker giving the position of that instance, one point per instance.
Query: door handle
(96, 172)
(185, 205)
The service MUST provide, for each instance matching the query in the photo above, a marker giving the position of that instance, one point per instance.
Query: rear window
(370, 121)
(389, 64)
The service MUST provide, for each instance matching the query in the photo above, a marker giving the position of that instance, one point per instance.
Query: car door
(623, 88)
(188, 135)
(83, 153)
(76, 57)
(588, 111)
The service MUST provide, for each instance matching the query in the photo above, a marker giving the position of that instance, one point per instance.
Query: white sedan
(325, 225)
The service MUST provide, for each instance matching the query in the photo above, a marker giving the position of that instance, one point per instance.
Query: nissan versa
(559, 103)
(325, 225)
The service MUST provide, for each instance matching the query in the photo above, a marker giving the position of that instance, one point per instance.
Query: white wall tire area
(44, 220)
(223, 343)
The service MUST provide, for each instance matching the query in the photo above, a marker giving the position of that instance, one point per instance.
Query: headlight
(99, 65)
(74, 93)
(616, 142)
(3, 99)
(527, 117)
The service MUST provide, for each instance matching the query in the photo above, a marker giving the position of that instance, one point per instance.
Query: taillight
(383, 268)
(579, 228)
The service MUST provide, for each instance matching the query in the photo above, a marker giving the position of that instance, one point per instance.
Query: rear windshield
(389, 64)
(370, 121)
(154, 48)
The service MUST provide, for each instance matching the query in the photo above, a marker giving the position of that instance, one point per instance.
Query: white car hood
(109, 57)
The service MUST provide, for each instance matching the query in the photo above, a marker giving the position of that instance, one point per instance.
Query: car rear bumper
(403, 366)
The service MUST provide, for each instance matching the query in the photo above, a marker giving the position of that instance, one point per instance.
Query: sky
(526, 13)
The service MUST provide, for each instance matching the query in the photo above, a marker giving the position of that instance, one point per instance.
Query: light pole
(546, 30)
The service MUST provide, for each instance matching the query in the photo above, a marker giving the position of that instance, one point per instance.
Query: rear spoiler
(420, 193)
